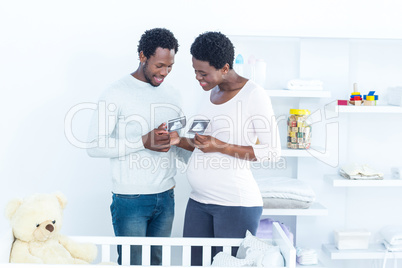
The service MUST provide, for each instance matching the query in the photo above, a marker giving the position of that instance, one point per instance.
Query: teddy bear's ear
(62, 199)
(12, 207)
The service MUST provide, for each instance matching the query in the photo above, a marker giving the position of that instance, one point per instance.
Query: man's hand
(174, 138)
(157, 140)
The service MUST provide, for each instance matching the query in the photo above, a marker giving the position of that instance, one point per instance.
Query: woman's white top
(224, 180)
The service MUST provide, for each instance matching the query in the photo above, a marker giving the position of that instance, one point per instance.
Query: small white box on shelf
(395, 96)
(352, 239)
(396, 172)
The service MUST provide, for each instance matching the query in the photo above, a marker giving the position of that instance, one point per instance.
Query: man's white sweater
(127, 110)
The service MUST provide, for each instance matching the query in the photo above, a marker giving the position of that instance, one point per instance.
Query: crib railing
(108, 245)
(185, 243)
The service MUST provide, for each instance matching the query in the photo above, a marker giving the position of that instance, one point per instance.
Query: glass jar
(299, 129)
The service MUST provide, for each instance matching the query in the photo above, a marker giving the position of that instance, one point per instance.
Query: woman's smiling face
(207, 75)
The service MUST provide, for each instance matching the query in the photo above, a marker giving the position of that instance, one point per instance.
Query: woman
(225, 200)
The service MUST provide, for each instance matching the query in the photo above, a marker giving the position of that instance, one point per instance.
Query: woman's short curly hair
(215, 48)
(154, 38)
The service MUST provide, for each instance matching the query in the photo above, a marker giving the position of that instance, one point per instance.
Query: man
(129, 128)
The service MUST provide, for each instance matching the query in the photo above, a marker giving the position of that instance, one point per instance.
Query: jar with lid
(299, 129)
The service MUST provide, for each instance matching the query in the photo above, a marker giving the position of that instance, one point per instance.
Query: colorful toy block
(370, 99)
(369, 103)
(356, 102)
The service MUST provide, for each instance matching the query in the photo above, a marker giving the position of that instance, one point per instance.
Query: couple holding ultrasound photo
(236, 126)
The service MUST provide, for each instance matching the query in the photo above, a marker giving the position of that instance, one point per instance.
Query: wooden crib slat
(125, 252)
(186, 258)
(227, 249)
(105, 253)
(166, 255)
(146, 255)
(206, 255)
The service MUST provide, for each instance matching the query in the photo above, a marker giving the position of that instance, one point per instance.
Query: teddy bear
(36, 222)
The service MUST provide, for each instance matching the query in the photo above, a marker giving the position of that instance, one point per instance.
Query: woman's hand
(209, 144)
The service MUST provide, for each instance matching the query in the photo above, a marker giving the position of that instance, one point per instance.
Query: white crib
(107, 248)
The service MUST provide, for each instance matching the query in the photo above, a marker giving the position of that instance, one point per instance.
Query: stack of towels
(392, 237)
(360, 172)
(306, 256)
(284, 192)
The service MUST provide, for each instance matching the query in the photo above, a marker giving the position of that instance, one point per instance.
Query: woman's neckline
(229, 100)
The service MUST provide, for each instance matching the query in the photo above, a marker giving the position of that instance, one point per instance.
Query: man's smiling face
(158, 66)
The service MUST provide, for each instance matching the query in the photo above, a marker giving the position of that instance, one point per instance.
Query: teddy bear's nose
(49, 227)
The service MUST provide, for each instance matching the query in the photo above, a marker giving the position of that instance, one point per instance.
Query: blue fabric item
(208, 220)
(239, 59)
(143, 215)
(265, 229)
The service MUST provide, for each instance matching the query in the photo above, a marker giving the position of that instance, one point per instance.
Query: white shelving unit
(338, 181)
(375, 251)
(306, 57)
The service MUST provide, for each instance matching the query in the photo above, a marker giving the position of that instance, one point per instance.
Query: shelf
(316, 209)
(298, 93)
(368, 109)
(338, 181)
(375, 251)
(315, 151)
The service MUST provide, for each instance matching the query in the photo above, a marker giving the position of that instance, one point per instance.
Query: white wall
(55, 55)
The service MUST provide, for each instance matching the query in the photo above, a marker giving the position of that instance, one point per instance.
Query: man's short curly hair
(215, 48)
(154, 38)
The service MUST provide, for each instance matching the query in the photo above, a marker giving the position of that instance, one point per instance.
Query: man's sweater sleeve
(107, 136)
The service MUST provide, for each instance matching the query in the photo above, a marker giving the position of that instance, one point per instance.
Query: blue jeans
(143, 215)
(206, 220)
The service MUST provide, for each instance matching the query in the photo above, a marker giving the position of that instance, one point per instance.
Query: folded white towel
(357, 171)
(392, 234)
(390, 247)
(359, 176)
